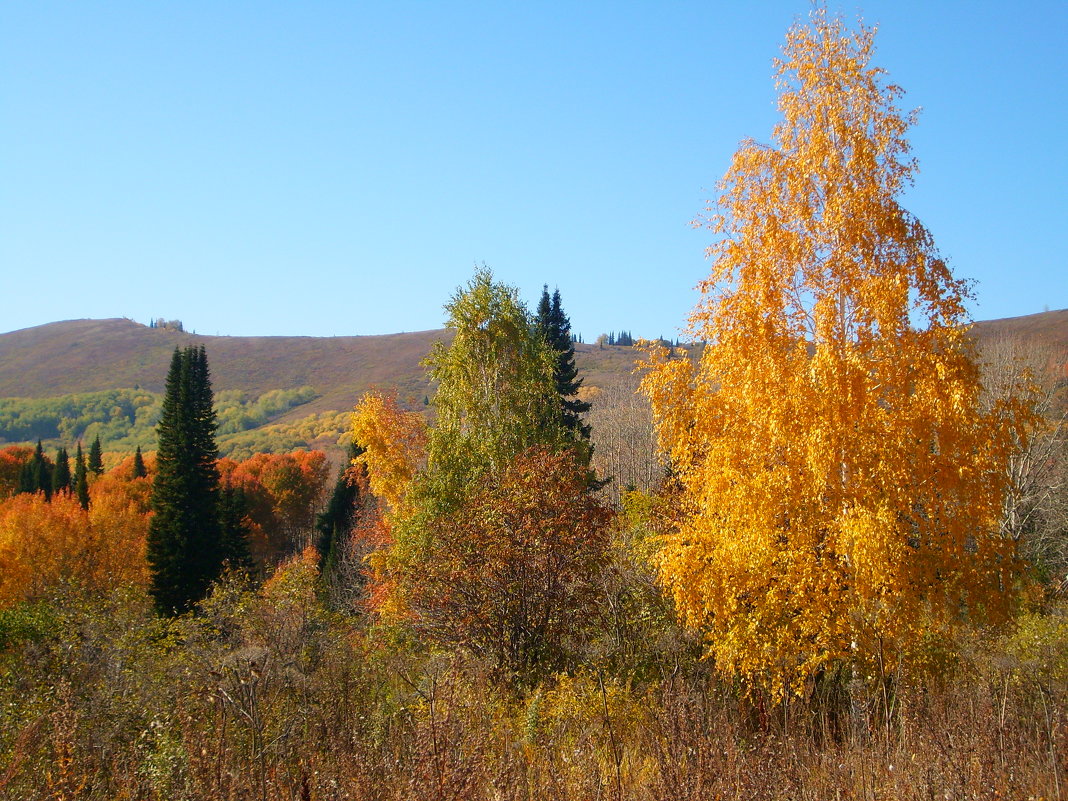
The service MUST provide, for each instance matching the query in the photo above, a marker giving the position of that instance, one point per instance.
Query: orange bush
(283, 491)
(12, 458)
(49, 546)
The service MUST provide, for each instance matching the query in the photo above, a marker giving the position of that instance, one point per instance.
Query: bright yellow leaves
(842, 482)
(394, 446)
(49, 547)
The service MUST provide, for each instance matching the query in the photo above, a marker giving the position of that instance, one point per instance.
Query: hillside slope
(1049, 329)
(90, 355)
(83, 356)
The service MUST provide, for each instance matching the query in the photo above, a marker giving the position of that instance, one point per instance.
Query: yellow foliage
(394, 446)
(48, 545)
(842, 483)
(1040, 644)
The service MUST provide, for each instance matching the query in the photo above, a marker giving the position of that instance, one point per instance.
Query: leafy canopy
(841, 478)
(494, 536)
(496, 395)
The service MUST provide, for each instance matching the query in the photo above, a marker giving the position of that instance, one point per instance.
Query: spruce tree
(184, 538)
(27, 482)
(139, 470)
(37, 473)
(339, 515)
(233, 521)
(555, 327)
(61, 472)
(81, 479)
(96, 461)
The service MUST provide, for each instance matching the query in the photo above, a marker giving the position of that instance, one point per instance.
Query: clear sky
(338, 168)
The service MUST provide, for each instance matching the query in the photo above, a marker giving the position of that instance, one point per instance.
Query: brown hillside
(1047, 328)
(92, 355)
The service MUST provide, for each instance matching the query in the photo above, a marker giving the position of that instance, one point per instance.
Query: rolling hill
(91, 356)
(78, 357)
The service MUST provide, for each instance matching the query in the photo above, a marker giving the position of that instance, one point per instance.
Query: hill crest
(75, 357)
(89, 355)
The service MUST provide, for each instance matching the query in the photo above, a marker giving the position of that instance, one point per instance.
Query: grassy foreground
(269, 695)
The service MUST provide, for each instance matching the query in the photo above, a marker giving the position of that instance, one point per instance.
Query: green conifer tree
(555, 328)
(185, 539)
(61, 472)
(36, 474)
(96, 461)
(139, 464)
(27, 481)
(339, 515)
(233, 521)
(81, 478)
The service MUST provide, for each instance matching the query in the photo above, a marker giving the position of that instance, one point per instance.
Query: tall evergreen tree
(185, 538)
(61, 472)
(81, 479)
(555, 327)
(233, 520)
(96, 460)
(139, 470)
(27, 482)
(339, 515)
(37, 473)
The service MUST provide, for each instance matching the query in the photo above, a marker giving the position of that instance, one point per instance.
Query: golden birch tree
(393, 443)
(842, 479)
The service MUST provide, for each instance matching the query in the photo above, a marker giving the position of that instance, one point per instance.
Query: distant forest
(125, 419)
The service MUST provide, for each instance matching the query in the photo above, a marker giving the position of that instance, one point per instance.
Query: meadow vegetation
(124, 419)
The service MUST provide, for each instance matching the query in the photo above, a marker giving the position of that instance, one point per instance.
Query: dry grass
(268, 695)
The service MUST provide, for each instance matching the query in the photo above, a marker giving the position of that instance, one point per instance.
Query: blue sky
(339, 168)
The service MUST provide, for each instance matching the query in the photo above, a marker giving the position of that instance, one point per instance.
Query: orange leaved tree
(54, 547)
(510, 577)
(842, 480)
(281, 492)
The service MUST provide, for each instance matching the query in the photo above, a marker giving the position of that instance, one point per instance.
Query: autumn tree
(497, 415)
(510, 576)
(393, 445)
(13, 460)
(184, 545)
(58, 546)
(281, 492)
(1035, 512)
(842, 481)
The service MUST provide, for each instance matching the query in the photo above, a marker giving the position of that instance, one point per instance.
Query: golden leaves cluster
(394, 446)
(842, 480)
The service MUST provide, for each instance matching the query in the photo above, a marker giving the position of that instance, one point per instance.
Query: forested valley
(817, 548)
